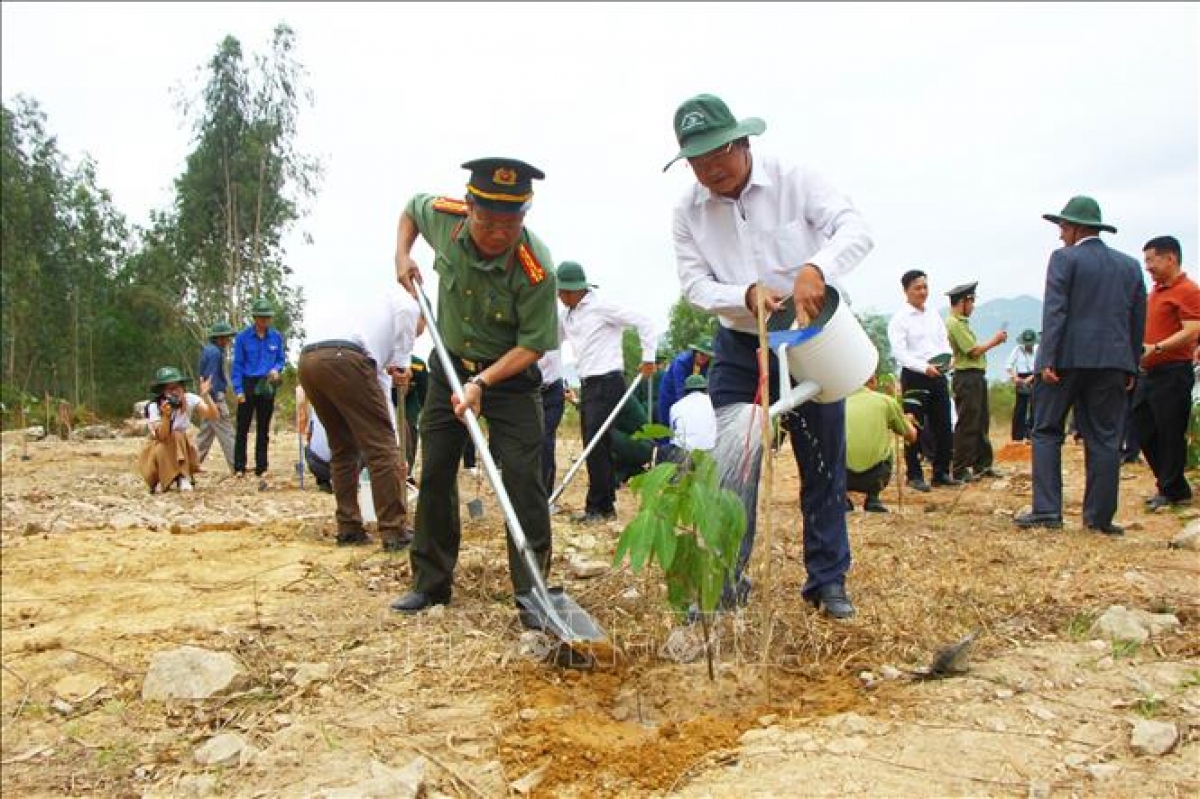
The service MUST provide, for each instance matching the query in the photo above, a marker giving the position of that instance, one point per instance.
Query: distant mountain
(1020, 313)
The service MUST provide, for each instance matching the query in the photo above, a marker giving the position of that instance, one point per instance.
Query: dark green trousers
(513, 410)
(972, 446)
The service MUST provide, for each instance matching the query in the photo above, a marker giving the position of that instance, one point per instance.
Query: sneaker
(832, 601)
(185, 484)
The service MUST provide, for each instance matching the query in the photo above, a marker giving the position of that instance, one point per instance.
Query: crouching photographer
(169, 457)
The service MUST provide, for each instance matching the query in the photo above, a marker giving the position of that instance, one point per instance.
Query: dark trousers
(934, 415)
(513, 410)
(1022, 418)
(344, 390)
(1098, 396)
(872, 481)
(258, 408)
(601, 393)
(972, 443)
(818, 436)
(552, 412)
(1162, 405)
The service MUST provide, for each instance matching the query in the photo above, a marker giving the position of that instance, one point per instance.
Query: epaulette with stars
(533, 269)
(449, 205)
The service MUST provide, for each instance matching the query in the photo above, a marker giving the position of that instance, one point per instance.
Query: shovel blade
(568, 621)
(475, 508)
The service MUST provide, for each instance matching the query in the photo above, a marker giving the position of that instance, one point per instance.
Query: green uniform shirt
(869, 418)
(487, 306)
(962, 341)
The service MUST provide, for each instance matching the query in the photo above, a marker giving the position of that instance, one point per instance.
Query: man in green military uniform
(972, 446)
(497, 313)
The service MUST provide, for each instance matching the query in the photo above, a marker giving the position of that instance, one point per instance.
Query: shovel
(612, 417)
(475, 506)
(554, 611)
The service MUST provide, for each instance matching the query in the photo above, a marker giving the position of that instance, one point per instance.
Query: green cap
(1080, 210)
(168, 374)
(704, 123)
(663, 353)
(502, 184)
(695, 383)
(703, 345)
(262, 307)
(571, 277)
(221, 329)
(1027, 337)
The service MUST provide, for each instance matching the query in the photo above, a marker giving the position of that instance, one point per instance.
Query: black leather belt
(334, 344)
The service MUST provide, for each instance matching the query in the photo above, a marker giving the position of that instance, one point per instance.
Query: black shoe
(1106, 529)
(945, 481)
(919, 484)
(352, 538)
(594, 517)
(1162, 501)
(325, 487)
(397, 542)
(417, 601)
(832, 601)
(964, 476)
(874, 505)
(1038, 520)
(990, 471)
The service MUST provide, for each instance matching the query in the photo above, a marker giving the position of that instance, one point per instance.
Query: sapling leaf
(650, 432)
(666, 546)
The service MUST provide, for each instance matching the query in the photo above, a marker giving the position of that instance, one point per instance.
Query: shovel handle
(612, 417)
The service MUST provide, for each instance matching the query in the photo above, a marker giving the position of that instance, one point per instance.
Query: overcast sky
(952, 127)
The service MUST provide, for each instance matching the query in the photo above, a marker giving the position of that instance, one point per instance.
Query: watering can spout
(798, 395)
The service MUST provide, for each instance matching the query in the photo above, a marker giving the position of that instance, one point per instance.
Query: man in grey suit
(1093, 314)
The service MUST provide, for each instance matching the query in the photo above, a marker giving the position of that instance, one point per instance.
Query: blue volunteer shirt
(212, 366)
(256, 357)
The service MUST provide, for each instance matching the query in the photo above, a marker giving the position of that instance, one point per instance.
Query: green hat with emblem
(1080, 210)
(262, 307)
(695, 383)
(221, 329)
(166, 375)
(571, 277)
(502, 184)
(703, 123)
(704, 345)
(1028, 337)
(662, 354)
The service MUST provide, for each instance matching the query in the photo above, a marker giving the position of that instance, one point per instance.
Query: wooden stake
(767, 478)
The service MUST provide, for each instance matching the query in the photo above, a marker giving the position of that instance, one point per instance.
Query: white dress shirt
(694, 422)
(786, 217)
(181, 418)
(594, 328)
(916, 336)
(318, 440)
(550, 363)
(385, 328)
(1020, 361)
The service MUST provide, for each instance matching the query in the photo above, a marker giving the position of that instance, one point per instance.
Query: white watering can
(828, 360)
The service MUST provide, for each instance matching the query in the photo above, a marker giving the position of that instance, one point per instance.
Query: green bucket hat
(703, 345)
(1028, 337)
(571, 277)
(262, 307)
(1080, 210)
(695, 383)
(703, 123)
(168, 374)
(221, 329)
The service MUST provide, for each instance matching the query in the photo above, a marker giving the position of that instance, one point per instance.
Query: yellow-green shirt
(962, 341)
(487, 306)
(869, 418)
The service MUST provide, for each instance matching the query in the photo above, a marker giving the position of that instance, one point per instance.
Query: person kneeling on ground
(871, 418)
(170, 457)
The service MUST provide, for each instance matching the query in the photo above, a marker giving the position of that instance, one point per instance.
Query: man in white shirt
(693, 420)
(553, 399)
(594, 326)
(1022, 373)
(920, 345)
(751, 231)
(347, 372)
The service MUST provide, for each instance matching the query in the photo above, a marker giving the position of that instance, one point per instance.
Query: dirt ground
(98, 576)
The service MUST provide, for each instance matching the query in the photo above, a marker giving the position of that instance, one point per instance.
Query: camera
(174, 401)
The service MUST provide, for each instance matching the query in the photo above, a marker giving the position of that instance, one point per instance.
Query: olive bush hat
(703, 345)
(703, 123)
(571, 277)
(168, 374)
(221, 329)
(262, 307)
(1027, 337)
(1080, 210)
(695, 383)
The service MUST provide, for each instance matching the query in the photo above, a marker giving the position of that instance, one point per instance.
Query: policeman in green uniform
(497, 314)
(972, 444)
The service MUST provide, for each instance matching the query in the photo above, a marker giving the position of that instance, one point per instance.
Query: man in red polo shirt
(1163, 400)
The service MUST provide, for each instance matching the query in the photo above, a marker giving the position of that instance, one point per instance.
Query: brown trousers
(342, 386)
(160, 462)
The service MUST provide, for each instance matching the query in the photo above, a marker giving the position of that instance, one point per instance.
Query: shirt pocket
(500, 305)
(781, 250)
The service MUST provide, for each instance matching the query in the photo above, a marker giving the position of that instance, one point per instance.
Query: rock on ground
(1119, 624)
(224, 749)
(191, 673)
(384, 783)
(1153, 737)
(1188, 539)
